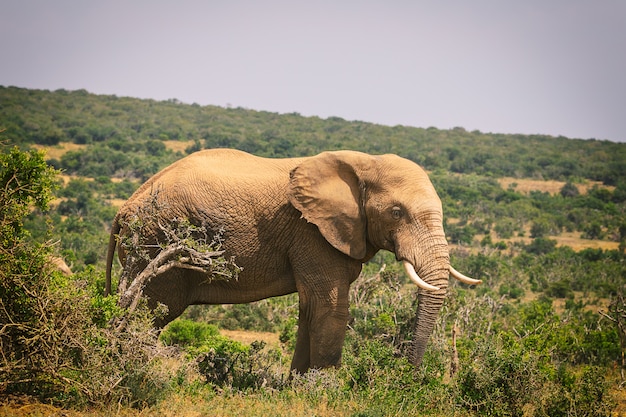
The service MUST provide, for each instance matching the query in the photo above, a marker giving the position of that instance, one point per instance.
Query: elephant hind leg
(166, 290)
(162, 318)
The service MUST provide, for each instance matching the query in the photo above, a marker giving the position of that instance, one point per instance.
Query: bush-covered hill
(115, 126)
(117, 142)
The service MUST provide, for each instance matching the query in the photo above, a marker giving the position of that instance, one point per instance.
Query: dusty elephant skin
(305, 225)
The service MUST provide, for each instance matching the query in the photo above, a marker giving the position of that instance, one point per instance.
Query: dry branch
(184, 246)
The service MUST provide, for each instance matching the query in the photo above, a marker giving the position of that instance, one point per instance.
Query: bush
(230, 364)
(186, 332)
(224, 362)
(513, 290)
(52, 340)
(289, 333)
(505, 378)
(540, 246)
(569, 190)
(376, 373)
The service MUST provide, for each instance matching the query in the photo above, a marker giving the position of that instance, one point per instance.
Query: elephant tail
(115, 229)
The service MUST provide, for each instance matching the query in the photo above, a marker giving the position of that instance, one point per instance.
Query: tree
(52, 341)
(25, 184)
(540, 228)
(617, 314)
(569, 190)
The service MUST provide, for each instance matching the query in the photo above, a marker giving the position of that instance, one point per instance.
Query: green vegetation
(544, 334)
(125, 138)
(53, 328)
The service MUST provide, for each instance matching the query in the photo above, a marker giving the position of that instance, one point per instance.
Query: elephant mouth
(410, 270)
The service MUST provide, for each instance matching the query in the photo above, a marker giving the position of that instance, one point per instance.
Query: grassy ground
(208, 403)
(235, 405)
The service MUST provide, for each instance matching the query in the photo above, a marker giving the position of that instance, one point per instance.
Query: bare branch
(184, 246)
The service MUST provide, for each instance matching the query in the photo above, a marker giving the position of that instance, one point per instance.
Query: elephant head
(362, 203)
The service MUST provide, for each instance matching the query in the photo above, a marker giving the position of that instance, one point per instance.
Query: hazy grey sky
(554, 67)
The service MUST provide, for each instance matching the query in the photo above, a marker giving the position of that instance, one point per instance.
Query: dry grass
(526, 185)
(571, 239)
(619, 396)
(57, 151)
(177, 145)
(240, 404)
(203, 403)
(67, 178)
(574, 241)
(117, 202)
(247, 337)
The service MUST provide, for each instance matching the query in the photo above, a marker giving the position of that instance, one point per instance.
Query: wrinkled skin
(305, 225)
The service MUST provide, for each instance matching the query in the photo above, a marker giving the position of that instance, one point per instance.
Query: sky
(552, 67)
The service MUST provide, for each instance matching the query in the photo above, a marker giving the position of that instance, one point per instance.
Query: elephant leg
(321, 330)
(302, 356)
(323, 289)
(166, 289)
(327, 334)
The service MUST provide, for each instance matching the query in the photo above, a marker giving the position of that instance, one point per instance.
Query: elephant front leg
(302, 356)
(321, 332)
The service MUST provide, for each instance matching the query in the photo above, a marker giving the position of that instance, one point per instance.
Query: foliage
(270, 315)
(25, 273)
(125, 138)
(52, 340)
(227, 363)
(617, 314)
(222, 361)
(507, 379)
(185, 332)
(26, 183)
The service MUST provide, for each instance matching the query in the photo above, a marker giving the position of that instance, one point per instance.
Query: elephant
(302, 225)
(58, 264)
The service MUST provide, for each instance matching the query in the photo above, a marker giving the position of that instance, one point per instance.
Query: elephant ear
(327, 191)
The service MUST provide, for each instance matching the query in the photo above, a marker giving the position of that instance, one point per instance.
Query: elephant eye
(396, 212)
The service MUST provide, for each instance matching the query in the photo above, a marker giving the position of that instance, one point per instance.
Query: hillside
(121, 123)
(541, 220)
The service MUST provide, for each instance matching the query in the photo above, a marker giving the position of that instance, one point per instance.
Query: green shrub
(247, 317)
(228, 363)
(376, 373)
(55, 345)
(506, 378)
(501, 379)
(187, 332)
(289, 333)
(540, 246)
(513, 290)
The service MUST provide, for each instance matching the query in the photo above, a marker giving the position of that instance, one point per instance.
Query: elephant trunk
(429, 304)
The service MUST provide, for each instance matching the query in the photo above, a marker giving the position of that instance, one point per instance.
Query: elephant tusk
(416, 279)
(464, 278)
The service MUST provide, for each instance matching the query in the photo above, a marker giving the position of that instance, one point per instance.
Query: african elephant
(305, 225)
(58, 264)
